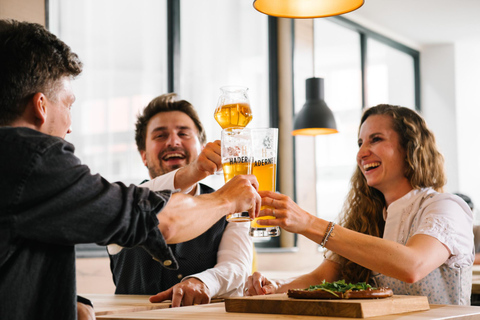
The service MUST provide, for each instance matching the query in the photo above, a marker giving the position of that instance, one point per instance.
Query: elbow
(168, 234)
(168, 230)
(412, 276)
(411, 279)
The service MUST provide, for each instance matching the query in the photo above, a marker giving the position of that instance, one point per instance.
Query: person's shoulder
(31, 139)
(445, 199)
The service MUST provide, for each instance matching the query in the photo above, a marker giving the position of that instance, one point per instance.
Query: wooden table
(117, 303)
(138, 308)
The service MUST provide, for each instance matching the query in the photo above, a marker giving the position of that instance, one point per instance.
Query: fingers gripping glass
(237, 158)
(265, 143)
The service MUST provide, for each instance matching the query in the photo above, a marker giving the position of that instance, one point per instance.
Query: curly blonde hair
(364, 205)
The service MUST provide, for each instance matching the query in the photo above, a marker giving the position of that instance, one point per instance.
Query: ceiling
(423, 22)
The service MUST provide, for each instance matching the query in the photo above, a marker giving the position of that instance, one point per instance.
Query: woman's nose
(363, 151)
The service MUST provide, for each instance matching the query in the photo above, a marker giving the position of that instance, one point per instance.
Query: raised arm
(409, 263)
(207, 163)
(185, 217)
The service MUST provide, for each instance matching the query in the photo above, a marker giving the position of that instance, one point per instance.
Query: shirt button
(167, 263)
(179, 276)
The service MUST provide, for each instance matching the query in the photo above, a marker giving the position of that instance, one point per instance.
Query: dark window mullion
(173, 44)
(416, 67)
(273, 70)
(363, 67)
(47, 14)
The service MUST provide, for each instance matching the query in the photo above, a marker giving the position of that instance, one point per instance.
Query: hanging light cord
(313, 46)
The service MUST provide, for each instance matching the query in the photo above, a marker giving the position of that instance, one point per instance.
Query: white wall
(437, 74)
(467, 84)
(451, 106)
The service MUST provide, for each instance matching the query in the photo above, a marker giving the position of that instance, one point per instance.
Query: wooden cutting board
(354, 308)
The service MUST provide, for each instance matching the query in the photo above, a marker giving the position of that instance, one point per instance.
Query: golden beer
(230, 170)
(265, 172)
(236, 115)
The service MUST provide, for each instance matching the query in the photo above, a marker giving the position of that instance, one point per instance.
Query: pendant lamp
(306, 8)
(315, 118)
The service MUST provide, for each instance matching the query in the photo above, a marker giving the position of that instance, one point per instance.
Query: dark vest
(135, 272)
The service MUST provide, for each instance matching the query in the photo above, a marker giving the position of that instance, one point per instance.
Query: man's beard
(162, 169)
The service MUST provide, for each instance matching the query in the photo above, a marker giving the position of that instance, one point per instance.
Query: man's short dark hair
(165, 103)
(32, 60)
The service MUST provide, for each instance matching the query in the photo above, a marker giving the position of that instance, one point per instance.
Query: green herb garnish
(340, 286)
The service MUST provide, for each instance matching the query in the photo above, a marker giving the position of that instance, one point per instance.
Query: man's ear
(39, 101)
(143, 153)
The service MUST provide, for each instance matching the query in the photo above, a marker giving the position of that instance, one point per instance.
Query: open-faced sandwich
(340, 290)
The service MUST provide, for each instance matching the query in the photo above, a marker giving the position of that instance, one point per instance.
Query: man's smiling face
(171, 142)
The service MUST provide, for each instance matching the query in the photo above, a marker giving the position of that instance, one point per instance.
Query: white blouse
(443, 216)
(448, 219)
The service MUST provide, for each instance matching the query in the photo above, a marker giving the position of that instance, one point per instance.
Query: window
(337, 61)
(337, 58)
(389, 76)
(218, 50)
(124, 47)
(360, 69)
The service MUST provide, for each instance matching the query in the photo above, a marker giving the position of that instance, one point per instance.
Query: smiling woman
(395, 209)
(380, 157)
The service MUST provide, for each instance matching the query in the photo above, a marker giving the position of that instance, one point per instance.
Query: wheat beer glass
(265, 143)
(233, 107)
(237, 157)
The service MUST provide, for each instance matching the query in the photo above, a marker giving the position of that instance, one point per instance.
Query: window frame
(366, 33)
(173, 80)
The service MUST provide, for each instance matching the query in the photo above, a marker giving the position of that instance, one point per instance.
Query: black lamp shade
(315, 118)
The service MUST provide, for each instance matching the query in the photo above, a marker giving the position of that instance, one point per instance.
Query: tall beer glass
(237, 158)
(265, 143)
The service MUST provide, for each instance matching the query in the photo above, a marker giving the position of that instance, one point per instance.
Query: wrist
(193, 280)
(316, 229)
(185, 179)
(198, 283)
(220, 203)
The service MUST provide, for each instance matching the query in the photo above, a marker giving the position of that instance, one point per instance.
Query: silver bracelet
(324, 242)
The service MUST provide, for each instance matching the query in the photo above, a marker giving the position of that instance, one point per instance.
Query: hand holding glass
(265, 143)
(237, 159)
